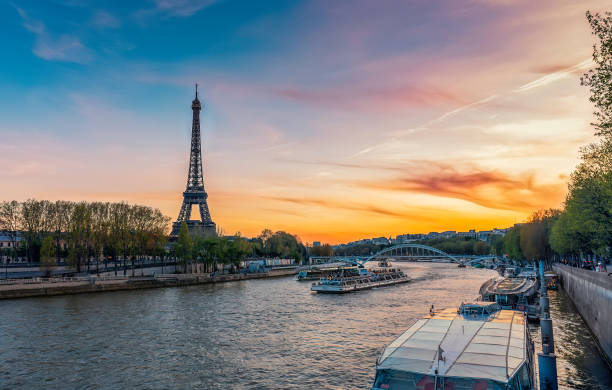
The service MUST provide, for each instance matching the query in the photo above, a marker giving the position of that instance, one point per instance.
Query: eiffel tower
(195, 194)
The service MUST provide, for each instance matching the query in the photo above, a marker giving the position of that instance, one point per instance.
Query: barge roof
(493, 347)
(510, 286)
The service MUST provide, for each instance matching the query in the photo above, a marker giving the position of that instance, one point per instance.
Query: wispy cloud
(555, 76)
(382, 97)
(175, 8)
(552, 77)
(52, 47)
(104, 19)
(331, 204)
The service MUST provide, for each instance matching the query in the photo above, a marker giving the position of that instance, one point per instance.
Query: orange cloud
(491, 189)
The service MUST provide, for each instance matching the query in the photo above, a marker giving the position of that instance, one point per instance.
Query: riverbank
(67, 286)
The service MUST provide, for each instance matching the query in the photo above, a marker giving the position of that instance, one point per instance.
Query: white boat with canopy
(477, 347)
(351, 280)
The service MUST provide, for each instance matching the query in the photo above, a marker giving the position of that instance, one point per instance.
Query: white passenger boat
(517, 293)
(317, 272)
(479, 346)
(350, 280)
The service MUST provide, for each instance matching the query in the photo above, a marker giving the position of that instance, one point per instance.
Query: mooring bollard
(547, 361)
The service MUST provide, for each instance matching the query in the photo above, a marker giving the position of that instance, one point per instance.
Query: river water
(256, 334)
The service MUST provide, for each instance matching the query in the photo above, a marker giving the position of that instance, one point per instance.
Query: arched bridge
(411, 251)
(407, 251)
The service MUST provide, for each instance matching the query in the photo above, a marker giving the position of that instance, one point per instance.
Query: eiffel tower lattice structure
(194, 193)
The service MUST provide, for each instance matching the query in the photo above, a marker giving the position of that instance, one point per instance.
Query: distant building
(7, 242)
(380, 241)
(449, 234)
(316, 243)
(407, 238)
(485, 235)
(472, 234)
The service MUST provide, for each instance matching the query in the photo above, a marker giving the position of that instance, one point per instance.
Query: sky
(332, 120)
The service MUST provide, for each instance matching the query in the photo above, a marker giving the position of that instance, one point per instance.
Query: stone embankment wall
(23, 290)
(591, 292)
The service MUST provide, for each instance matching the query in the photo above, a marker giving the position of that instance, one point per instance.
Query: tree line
(213, 251)
(583, 227)
(80, 231)
(77, 232)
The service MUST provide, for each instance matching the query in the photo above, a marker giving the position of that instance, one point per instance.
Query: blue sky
(410, 115)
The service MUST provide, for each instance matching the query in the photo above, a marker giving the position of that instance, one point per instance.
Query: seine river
(257, 334)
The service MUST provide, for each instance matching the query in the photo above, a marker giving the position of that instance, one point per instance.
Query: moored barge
(516, 293)
(479, 346)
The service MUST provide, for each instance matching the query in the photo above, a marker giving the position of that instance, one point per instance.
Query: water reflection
(579, 363)
(253, 334)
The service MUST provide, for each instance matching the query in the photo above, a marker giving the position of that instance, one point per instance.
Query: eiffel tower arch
(194, 193)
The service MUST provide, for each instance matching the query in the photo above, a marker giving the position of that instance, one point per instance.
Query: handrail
(509, 338)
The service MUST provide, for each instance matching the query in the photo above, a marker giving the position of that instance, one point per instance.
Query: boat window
(524, 377)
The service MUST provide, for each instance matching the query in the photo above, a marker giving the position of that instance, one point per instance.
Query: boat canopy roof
(332, 266)
(510, 286)
(489, 347)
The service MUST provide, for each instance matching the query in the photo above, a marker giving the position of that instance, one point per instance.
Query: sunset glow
(325, 119)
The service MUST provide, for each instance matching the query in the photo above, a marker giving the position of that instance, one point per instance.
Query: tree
(282, 244)
(534, 235)
(59, 216)
(481, 248)
(512, 243)
(80, 233)
(588, 210)
(47, 256)
(585, 225)
(183, 247)
(497, 245)
(33, 217)
(321, 250)
(599, 78)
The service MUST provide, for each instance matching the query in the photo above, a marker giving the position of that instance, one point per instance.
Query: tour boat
(317, 272)
(350, 280)
(517, 293)
(478, 346)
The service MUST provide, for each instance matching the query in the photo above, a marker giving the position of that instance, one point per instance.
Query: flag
(440, 352)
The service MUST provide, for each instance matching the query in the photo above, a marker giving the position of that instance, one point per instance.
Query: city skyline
(468, 117)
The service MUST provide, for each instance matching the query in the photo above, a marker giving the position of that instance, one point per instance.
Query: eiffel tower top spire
(195, 105)
(194, 194)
